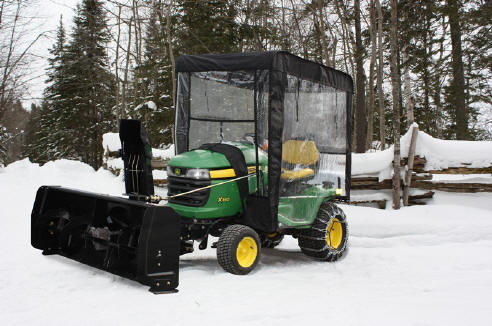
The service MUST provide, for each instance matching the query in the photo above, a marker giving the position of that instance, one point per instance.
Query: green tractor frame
(262, 146)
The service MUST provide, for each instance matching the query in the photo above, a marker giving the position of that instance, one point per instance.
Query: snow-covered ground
(422, 265)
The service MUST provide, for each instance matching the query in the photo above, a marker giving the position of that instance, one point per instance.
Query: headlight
(198, 174)
(174, 171)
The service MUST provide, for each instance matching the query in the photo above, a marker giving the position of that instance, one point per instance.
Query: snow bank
(376, 163)
(163, 153)
(421, 265)
(111, 142)
(439, 154)
(27, 177)
(159, 174)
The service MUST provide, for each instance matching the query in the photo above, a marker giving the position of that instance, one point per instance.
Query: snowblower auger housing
(127, 237)
(262, 146)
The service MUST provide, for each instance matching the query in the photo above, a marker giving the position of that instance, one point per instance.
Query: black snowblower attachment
(127, 237)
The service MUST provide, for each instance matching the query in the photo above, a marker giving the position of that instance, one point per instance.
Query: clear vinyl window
(221, 106)
(314, 138)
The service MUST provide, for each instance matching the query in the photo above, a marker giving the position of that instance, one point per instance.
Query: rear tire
(327, 238)
(238, 249)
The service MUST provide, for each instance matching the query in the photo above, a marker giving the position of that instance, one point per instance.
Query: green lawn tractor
(262, 146)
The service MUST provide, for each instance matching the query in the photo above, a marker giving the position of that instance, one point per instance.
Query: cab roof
(280, 61)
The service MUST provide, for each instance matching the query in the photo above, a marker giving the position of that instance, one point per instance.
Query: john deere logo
(223, 199)
(177, 171)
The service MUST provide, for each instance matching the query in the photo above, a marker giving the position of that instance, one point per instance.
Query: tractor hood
(205, 159)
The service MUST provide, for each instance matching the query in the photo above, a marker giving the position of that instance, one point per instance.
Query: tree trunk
(437, 82)
(127, 66)
(360, 108)
(382, 124)
(409, 105)
(458, 83)
(122, 112)
(372, 104)
(395, 83)
(324, 41)
(171, 56)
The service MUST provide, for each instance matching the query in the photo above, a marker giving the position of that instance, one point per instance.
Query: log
(418, 161)
(372, 183)
(159, 163)
(160, 182)
(463, 170)
(112, 154)
(380, 202)
(427, 195)
(454, 187)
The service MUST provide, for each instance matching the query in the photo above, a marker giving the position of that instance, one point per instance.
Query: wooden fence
(417, 177)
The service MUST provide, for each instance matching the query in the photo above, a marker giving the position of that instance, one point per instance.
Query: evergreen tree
(89, 86)
(32, 148)
(53, 134)
(208, 26)
(419, 35)
(49, 136)
(477, 59)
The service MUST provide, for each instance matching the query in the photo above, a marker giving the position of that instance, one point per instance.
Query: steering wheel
(249, 137)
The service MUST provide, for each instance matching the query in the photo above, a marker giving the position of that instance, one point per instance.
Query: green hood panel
(206, 159)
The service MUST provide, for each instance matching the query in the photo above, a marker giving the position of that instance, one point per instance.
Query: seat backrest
(302, 152)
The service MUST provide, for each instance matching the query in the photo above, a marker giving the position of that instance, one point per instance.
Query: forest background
(423, 61)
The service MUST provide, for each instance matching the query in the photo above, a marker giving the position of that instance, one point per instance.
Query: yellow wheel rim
(334, 234)
(246, 252)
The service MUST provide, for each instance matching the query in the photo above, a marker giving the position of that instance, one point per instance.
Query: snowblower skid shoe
(128, 238)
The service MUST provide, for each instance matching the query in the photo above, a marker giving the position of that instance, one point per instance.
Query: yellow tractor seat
(296, 175)
(299, 152)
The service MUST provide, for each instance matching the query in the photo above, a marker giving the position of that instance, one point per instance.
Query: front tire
(327, 238)
(238, 249)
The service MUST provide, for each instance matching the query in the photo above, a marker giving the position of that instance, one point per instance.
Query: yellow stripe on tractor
(228, 173)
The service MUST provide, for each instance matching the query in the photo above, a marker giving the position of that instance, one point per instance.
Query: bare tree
(382, 124)
(458, 83)
(395, 83)
(116, 61)
(15, 31)
(407, 89)
(124, 89)
(372, 101)
(360, 108)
